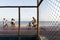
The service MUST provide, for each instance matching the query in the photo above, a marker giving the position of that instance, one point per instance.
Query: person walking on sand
(5, 23)
(12, 22)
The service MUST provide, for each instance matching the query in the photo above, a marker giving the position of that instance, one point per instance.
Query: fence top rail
(22, 6)
(18, 6)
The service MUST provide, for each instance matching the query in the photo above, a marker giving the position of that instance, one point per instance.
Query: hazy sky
(26, 13)
(48, 10)
(18, 2)
(8, 13)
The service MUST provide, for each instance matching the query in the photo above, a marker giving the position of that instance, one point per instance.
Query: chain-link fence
(50, 19)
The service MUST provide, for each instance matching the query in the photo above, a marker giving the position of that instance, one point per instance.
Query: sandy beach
(24, 30)
(45, 31)
(50, 32)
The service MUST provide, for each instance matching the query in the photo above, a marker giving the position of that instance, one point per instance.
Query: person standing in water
(5, 23)
(12, 22)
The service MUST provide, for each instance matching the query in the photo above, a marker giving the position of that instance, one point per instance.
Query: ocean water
(49, 23)
(41, 23)
(16, 22)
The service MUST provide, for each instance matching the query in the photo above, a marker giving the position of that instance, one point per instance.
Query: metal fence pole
(19, 23)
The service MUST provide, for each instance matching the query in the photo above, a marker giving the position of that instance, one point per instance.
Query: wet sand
(24, 30)
(49, 32)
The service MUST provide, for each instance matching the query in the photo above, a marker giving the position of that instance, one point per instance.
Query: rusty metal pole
(37, 19)
(19, 23)
(38, 28)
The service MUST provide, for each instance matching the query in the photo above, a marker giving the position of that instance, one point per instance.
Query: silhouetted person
(30, 23)
(12, 22)
(34, 22)
(5, 23)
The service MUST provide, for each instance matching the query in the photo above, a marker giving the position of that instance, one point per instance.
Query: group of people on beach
(5, 22)
(33, 22)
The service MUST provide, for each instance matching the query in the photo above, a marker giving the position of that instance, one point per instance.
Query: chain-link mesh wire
(52, 30)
